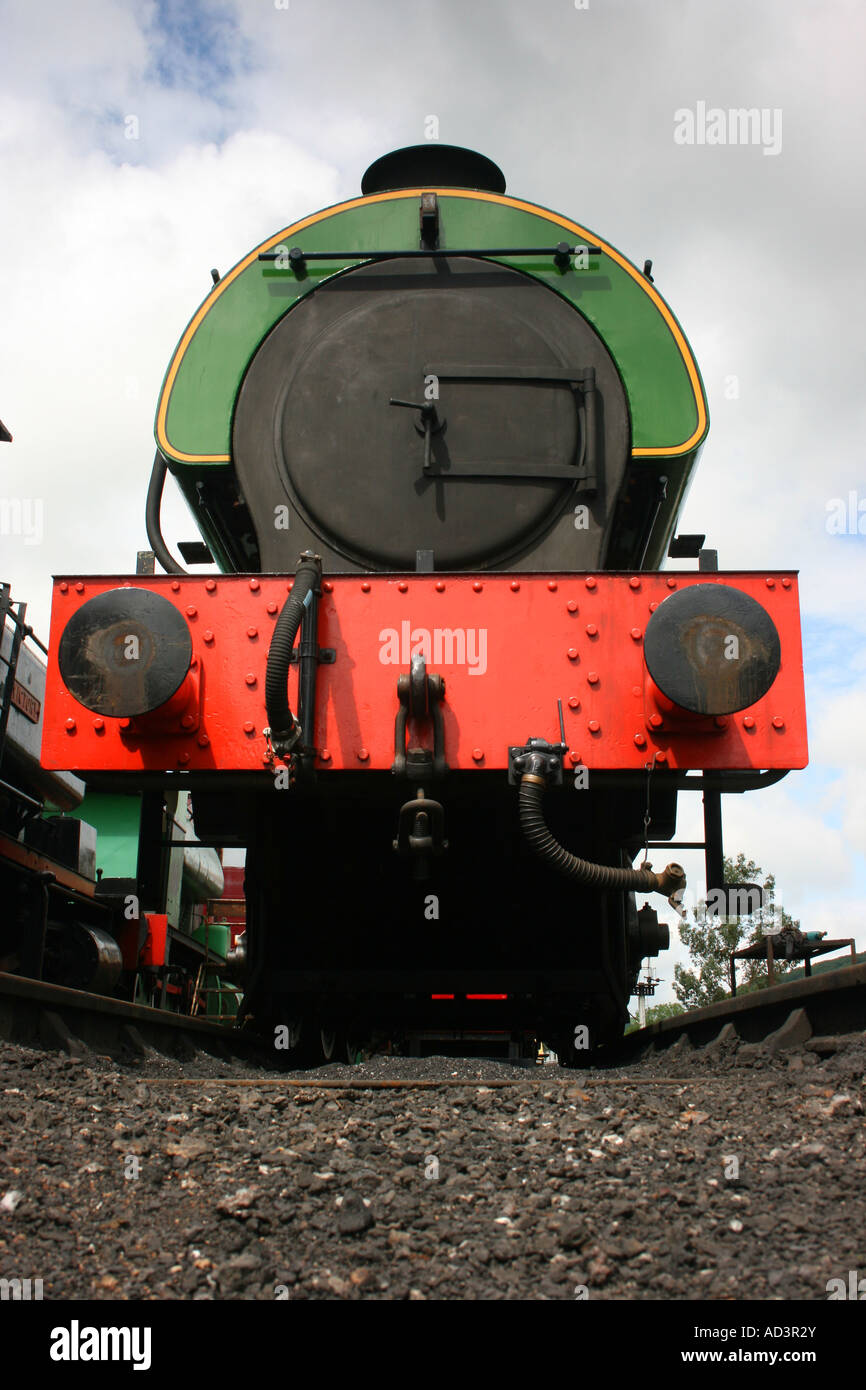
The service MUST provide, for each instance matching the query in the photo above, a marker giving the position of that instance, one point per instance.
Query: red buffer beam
(508, 647)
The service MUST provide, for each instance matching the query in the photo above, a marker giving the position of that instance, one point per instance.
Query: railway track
(784, 1016)
(34, 1013)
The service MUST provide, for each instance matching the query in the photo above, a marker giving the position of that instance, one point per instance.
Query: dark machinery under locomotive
(456, 423)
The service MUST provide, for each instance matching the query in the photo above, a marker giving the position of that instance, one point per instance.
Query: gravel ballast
(693, 1175)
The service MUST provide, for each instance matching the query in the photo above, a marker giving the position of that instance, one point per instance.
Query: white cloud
(108, 272)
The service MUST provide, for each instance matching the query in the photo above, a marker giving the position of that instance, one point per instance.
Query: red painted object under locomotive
(434, 697)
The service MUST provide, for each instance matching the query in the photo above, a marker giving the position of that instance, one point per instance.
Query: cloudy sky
(142, 143)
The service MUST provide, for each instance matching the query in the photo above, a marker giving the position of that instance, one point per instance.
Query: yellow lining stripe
(532, 208)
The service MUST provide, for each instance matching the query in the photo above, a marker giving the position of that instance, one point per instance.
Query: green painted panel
(116, 820)
(195, 415)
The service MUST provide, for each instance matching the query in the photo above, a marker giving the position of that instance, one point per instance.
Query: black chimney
(432, 165)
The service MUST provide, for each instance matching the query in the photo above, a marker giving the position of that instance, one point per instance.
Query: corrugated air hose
(539, 838)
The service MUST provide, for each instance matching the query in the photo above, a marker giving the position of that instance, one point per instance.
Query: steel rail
(786, 1015)
(34, 1012)
(781, 1015)
(420, 1084)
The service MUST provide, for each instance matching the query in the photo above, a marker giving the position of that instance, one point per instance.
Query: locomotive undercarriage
(343, 939)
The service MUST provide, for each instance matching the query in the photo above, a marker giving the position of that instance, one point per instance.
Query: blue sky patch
(197, 46)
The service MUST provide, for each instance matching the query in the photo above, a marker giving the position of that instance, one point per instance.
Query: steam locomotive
(436, 439)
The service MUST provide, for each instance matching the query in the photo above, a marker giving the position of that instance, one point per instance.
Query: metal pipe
(284, 729)
(151, 518)
(671, 881)
(202, 871)
(563, 250)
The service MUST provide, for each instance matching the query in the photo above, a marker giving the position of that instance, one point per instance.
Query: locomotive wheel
(332, 1044)
(305, 1041)
(313, 1043)
(564, 1048)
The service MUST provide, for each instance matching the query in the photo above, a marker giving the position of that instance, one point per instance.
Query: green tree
(710, 939)
(657, 1012)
